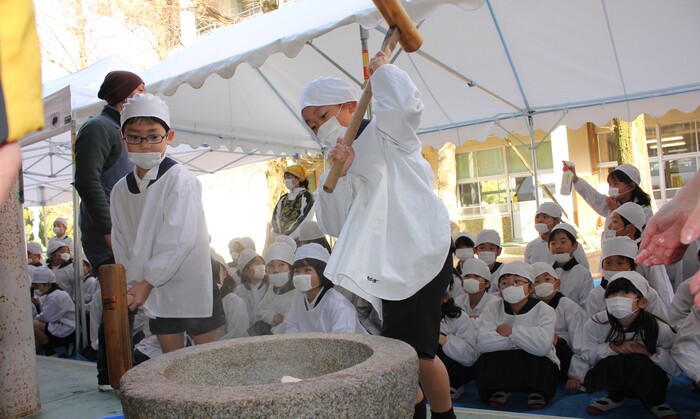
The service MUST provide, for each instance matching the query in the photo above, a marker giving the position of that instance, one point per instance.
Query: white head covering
(618, 246)
(246, 256)
(477, 267)
(55, 245)
(635, 278)
(287, 240)
(62, 221)
(279, 251)
(42, 275)
(145, 105)
(538, 268)
(309, 230)
(564, 226)
(217, 257)
(312, 251)
(246, 242)
(518, 268)
(631, 171)
(633, 213)
(34, 247)
(231, 243)
(549, 208)
(327, 91)
(488, 236)
(464, 234)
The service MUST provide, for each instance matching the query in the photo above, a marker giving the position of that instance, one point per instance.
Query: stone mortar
(343, 375)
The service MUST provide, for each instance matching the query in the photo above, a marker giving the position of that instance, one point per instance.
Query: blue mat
(682, 397)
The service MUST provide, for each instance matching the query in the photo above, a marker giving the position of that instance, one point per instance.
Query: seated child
(55, 324)
(628, 350)
(516, 343)
(34, 252)
(159, 231)
(576, 280)
(235, 309)
(254, 282)
(464, 250)
(276, 302)
(569, 325)
(457, 344)
(488, 248)
(548, 215)
(686, 346)
(618, 255)
(61, 263)
(318, 307)
(475, 283)
(682, 304)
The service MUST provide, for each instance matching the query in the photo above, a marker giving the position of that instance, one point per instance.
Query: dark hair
(304, 184)
(638, 195)
(318, 266)
(553, 235)
(637, 229)
(322, 241)
(146, 119)
(464, 241)
(228, 286)
(54, 287)
(245, 277)
(450, 309)
(645, 325)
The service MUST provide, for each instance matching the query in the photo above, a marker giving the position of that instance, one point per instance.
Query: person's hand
(343, 154)
(108, 239)
(572, 385)
(140, 292)
(556, 339)
(442, 340)
(278, 318)
(638, 348)
(661, 239)
(377, 61)
(611, 203)
(504, 330)
(571, 168)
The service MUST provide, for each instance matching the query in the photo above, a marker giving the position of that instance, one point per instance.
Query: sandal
(602, 406)
(535, 401)
(664, 411)
(499, 399)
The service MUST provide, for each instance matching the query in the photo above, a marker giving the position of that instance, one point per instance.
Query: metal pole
(533, 151)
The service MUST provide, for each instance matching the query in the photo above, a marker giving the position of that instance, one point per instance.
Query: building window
(673, 157)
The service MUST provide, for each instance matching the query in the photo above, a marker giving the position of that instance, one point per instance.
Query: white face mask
(541, 228)
(234, 257)
(57, 230)
(37, 293)
(259, 271)
(146, 160)
(471, 285)
(513, 294)
(488, 257)
(279, 279)
(330, 131)
(609, 274)
(464, 253)
(562, 258)
(65, 256)
(544, 289)
(613, 192)
(609, 234)
(619, 307)
(289, 184)
(302, 283)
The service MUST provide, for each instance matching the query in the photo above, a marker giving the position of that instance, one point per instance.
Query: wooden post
(116, 321)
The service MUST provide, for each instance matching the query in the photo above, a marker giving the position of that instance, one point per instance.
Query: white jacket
(682, 304)
(58, 311)
(595, 303)
(576, 283)
(273, 303)
(393, 231)
(686, 346)
(333, 314)
(237, 321)
(463, 302)
(538, 251)
(460, 343)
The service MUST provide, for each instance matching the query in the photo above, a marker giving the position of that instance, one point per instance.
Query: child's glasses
(151, 139)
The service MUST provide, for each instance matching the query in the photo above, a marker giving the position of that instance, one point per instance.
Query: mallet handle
(116, 321)
(390, 41)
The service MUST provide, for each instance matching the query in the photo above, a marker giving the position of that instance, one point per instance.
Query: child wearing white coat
(475, 284)
(54, 325)
(464, 250)
(487, 247)
(547, 215)
(275, 304)
(517, 335)
(628, 350)
(254, 282)
(686, 346)
(317, 307)
(576, 280)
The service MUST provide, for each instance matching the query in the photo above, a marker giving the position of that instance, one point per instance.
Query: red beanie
(118, 85)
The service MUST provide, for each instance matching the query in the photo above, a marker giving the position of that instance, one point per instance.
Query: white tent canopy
(482, 64)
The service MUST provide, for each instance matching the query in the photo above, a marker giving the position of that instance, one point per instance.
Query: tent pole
(80, 318)
(533, 151)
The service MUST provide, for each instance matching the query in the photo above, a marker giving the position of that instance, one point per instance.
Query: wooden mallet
(115, 315)
(401, 30)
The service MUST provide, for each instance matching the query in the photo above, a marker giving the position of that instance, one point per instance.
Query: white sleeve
(578, 368)
(663, 357)
(682, 304)
(292, 319)
(488, 339)
(460, 344)
(686, 346)
(53, 309)
(332, 208)
(397, 107)
(536, 339)
(236, 318)
(344, 317)
(595, 199)
(593, 346)
(179, 231)
(581, 258)
(120, 244)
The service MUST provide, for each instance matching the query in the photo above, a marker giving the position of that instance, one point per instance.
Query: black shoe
(89, 354)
